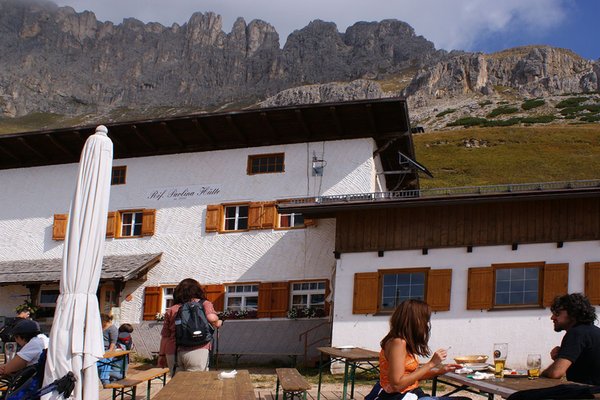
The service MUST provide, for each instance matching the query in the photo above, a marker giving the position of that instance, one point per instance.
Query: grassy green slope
(510, 155)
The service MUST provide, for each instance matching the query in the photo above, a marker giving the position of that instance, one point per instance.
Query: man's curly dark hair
(577, 306)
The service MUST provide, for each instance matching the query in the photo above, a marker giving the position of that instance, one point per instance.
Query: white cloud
(450, 24)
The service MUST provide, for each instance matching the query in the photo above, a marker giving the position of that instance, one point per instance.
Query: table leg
(352, 378)
(434, 386)
(345, 389)
(320, 376)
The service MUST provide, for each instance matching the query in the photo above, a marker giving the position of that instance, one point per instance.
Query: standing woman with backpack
(172, 354)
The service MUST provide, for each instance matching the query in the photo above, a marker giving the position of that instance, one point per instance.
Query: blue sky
(473, 25)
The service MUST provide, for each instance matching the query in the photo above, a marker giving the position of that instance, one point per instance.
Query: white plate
(476, 366)
(346, 347)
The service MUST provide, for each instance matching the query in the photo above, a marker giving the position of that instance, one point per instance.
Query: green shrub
(448, 111)
(503, 122)
(502, 110)
(590, 118)
(571, 102)
(468, 121)
(485, 103)
(532, 103)
(541, 119)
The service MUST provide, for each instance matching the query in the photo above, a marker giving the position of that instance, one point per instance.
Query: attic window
(265, 163)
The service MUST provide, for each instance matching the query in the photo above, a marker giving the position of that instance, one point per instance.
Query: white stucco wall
(31, 196)
(468, 332)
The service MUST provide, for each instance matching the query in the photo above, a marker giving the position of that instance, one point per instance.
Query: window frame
(165, 297)
(309, 294)
(133, 224)
(503, 266)
(252, 157)
(236, 219)
(243, 295)
(394, 271)
(292, 216)
(121, 171)
(53, 288)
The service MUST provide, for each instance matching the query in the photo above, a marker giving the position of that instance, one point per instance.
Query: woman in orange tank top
(399, 370)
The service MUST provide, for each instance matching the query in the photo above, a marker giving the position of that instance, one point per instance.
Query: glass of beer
(10, 350)
(500, 352)
(534, 364)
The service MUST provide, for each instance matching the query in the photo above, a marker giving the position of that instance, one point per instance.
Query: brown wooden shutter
(592, 282)
(366, 293)
(213, 218)
(148, 222)
(59, 228)
(216, 295)
(480, 288)
(439, 284)
(556, 281)
(310, 222)
(273, 299)
(152, 302)
(269, 214)
(111, 224)
(254, 213)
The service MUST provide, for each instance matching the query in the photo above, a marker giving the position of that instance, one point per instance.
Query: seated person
(33, 343)
(578, 356)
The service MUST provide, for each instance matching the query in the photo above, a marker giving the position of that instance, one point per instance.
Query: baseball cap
(26, 326)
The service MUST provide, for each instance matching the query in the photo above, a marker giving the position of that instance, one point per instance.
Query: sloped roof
(384, 120)
(121, 268)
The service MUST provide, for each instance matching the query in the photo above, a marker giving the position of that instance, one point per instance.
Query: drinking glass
(500, 353)
(534, 364)
(10, 349)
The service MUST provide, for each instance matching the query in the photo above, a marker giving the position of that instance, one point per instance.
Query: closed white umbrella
(76, 336)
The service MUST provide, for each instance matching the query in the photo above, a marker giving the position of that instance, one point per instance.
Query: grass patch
(571, 102)
(502, 110)
(590, 118)
(468, 121)
(445, 112)
(514, 154)
(485, 103)
(474, 121)
(532, 103)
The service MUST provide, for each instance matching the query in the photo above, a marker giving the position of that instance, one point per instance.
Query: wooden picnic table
(207, 385)
(118, 359)
(352, 359)
(490, 387)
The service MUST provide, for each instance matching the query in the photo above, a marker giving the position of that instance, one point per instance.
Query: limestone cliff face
(57, 60)
(530, 71)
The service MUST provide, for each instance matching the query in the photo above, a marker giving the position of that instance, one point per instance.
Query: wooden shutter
(310, 222)
(269, 214)
(216, 295)
(254, 212)
(111, 224)
(556, 280)
(366, 293)
(273, 299)
(152, 302)
(59, 228)
(439, 284)
(592, 282)
(213, 218)
(327, 293)
(148, 222)
(480, 288)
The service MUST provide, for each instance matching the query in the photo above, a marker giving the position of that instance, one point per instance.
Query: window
(308, 295)
(265, 163)
(241, 297)
(236, 218)
(517, 286)
(131, 223)
(48, 297)
(167, 297)
(382, 291)
(400, 286)
(291, 220)
(118, 175)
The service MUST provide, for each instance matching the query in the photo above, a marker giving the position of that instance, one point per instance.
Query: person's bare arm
(396, 355)
(14, 365)
(557, 369)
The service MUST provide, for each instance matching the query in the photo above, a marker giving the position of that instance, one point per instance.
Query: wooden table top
(116, 353)
(206, 385)
(353, 354)
(505, 387)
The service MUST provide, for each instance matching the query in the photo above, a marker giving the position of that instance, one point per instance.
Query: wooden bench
(292, 383)
(127, 386)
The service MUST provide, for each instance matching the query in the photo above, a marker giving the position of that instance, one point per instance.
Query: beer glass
(534, 364)
(10, 349)
(500, 353)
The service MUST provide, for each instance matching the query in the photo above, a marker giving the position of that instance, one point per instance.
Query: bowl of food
(471, 359)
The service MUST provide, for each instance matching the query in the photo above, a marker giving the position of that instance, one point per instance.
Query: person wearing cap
(33, 343)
